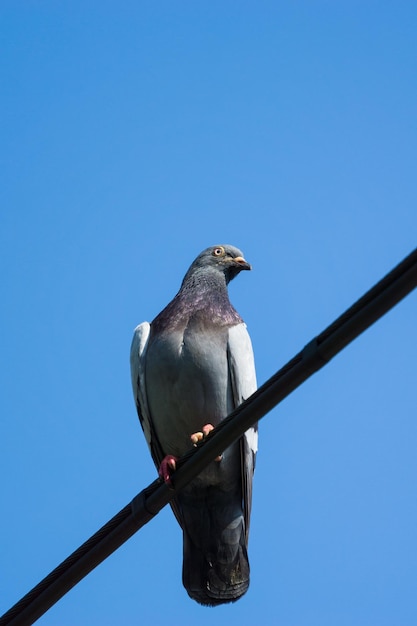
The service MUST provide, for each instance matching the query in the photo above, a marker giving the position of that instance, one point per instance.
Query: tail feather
(215, 560)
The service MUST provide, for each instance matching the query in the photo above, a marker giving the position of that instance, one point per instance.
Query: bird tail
(215, 560)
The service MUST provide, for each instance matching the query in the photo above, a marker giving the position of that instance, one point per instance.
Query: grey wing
(137, 369)
(243, 378)
(138, 373)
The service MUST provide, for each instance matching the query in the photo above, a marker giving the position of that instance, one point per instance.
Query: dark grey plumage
(192, 366)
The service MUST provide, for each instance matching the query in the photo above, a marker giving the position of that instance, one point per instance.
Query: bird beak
(244, 265)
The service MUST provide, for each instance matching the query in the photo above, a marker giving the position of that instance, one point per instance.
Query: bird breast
(188, 384)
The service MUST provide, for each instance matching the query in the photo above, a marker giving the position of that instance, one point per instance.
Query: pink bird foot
(199, 436)
(167, 468)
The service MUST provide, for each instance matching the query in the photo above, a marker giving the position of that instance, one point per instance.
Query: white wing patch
(242, 369)
(252, 438)
(137, 370)
(243, 378)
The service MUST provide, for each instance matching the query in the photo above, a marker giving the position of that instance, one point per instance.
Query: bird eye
(218, 251)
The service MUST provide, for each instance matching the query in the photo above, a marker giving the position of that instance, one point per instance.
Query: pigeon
(190, 368)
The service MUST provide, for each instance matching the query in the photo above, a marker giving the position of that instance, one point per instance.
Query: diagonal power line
(374, 304)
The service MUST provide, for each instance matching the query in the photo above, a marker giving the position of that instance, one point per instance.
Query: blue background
(135, 134)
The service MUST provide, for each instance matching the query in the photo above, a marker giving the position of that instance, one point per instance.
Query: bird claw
(200, 435)
(167, 468)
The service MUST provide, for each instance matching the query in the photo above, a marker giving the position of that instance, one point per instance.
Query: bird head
(225, 259)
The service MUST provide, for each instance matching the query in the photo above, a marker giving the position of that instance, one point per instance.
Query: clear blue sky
(135, 134)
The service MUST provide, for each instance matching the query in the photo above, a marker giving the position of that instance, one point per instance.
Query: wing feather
(243, 378)
(138, 373)
(137, 369)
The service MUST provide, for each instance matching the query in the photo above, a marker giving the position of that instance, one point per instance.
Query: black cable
(368, 309)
